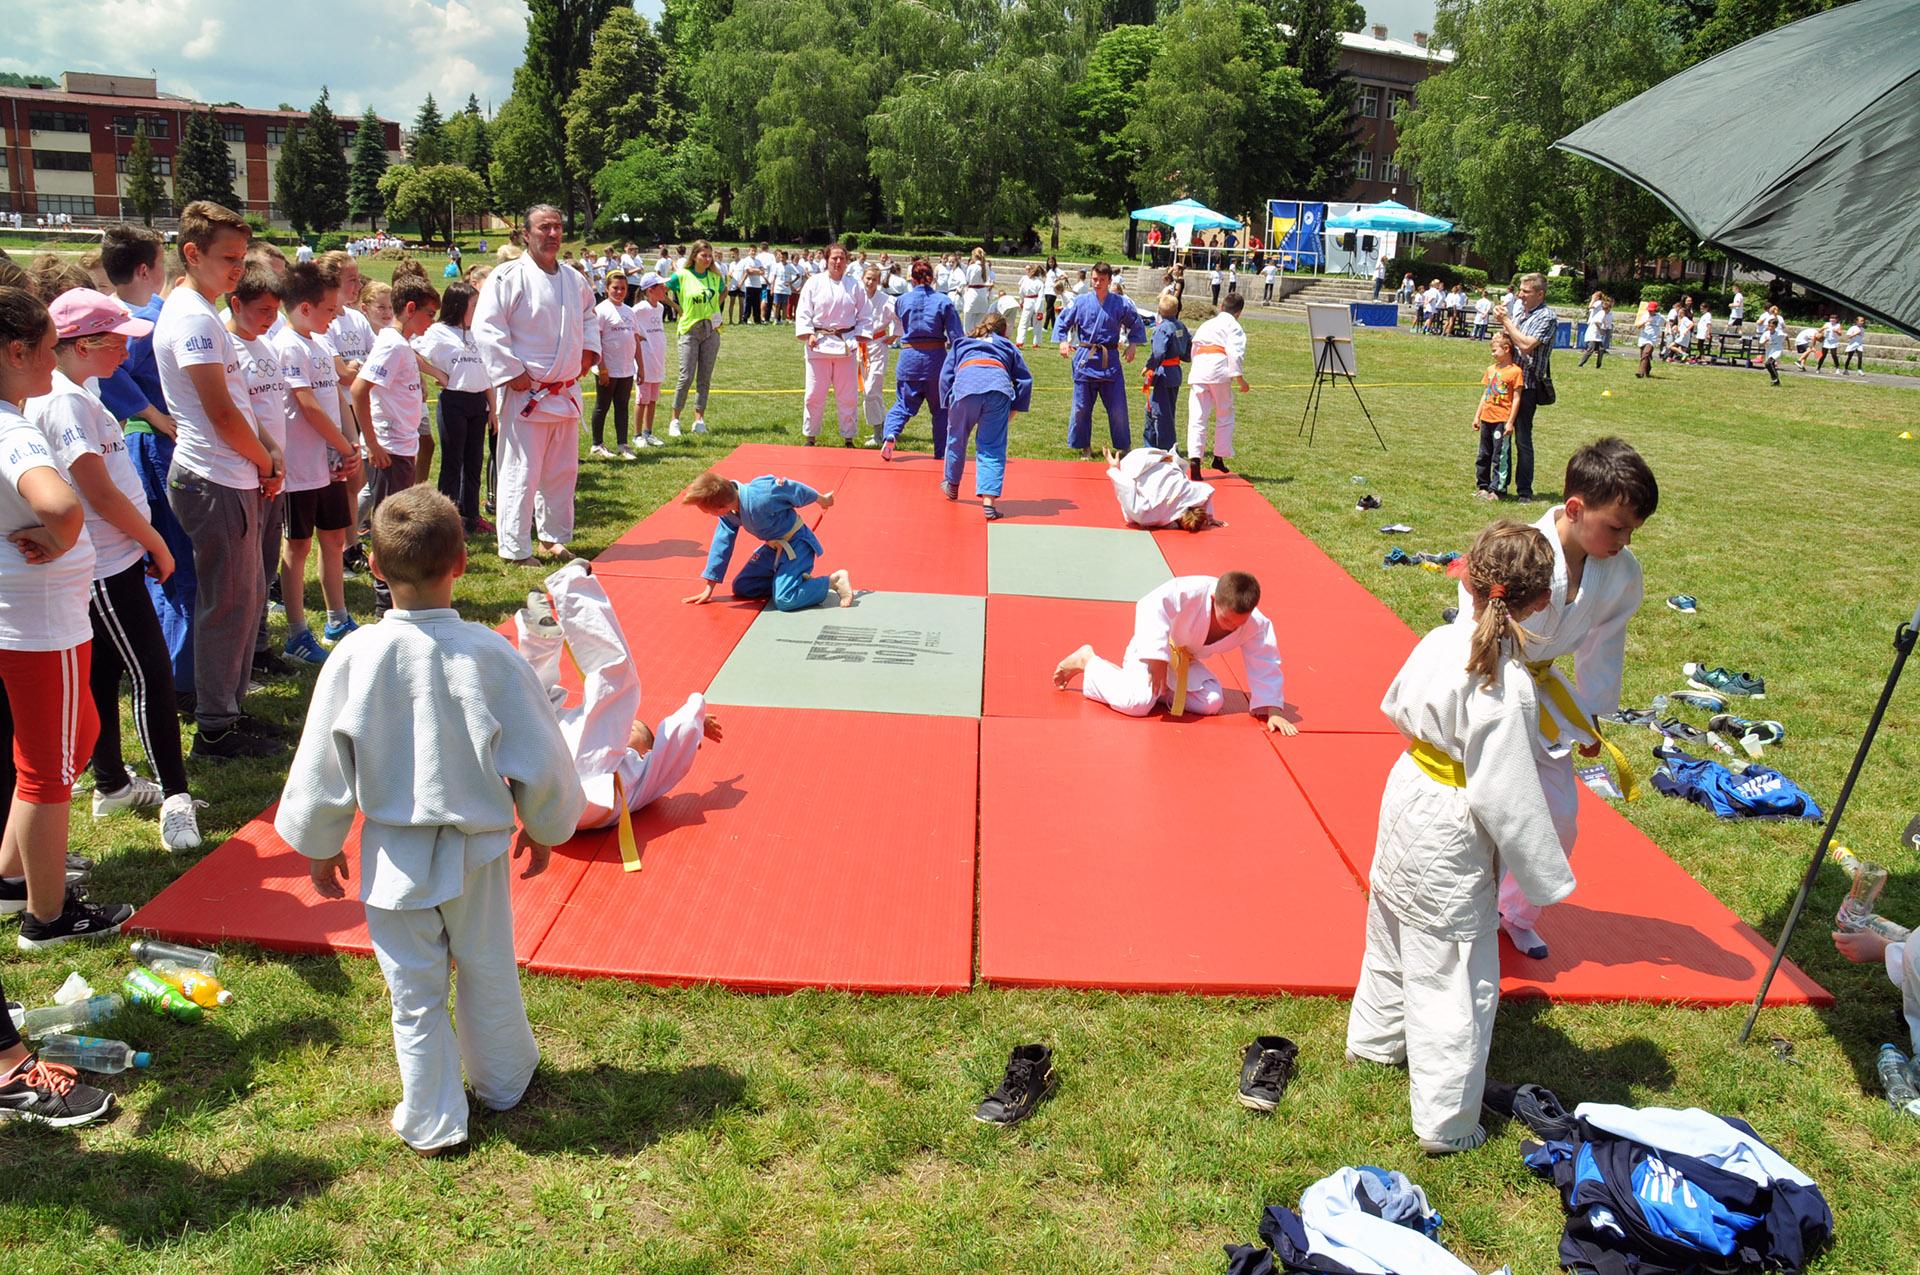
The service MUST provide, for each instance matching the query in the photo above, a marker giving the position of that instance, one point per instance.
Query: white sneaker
(673, 428)
(699, 425)
(627, 453)
(1452, 1146)
(599, 453)
(872, 442)
(179, 822)
(140, 794)
(653, 440)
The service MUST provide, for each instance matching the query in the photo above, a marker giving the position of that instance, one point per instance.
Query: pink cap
(82, 312)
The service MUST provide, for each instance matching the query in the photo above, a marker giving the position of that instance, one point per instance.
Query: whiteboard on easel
(1335, 322)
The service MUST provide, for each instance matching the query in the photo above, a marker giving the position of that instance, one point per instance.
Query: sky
(385, 53)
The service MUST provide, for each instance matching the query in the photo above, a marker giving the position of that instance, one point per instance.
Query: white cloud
(209, 43)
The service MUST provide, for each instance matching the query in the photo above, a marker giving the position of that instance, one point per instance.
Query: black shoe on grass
(1029, 1078)
(79, 919)
(1266, 1068)
(48, 1093)
(230, 744)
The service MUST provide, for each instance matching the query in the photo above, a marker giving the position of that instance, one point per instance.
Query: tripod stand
(1328, 366)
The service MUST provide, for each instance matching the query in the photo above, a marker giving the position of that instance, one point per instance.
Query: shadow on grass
(324, 974)
(213, 1071)
(1529, 1049)
(612, 1111)
(147, 1198)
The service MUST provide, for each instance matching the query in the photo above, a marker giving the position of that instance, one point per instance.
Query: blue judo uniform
(928, 324)
(1172, 346)
(985, 379)
(782, 568)
(1096, 363)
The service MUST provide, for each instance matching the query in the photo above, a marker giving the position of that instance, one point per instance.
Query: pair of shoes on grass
(1266, 1068)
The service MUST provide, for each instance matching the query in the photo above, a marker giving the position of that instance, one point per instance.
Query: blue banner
(1293, 230)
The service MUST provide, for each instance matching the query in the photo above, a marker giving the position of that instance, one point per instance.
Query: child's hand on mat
(826, 500)
(537, 854)
(711, 728)
(1277, 724)
(329, 876)
(705, 594)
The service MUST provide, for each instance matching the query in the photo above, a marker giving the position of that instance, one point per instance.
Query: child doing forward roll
(1464, 802)
(782, 567)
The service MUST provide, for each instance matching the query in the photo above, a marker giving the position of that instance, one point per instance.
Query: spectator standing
(699, 291)
(1531, 331)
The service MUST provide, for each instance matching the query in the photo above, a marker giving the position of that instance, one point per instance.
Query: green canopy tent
(1796, 151)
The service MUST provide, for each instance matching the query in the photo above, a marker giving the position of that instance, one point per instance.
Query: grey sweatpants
(382, 483)
(224, 524)
(699, 347)
(273, 522)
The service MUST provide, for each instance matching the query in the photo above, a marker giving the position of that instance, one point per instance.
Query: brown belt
(925, 345)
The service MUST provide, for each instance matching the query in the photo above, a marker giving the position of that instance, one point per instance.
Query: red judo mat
(817, 848)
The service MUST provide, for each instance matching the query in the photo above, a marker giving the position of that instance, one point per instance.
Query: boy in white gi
(439, 784)
(1463, 803)
(1184, 621)
(1154, 491)
(1219, 363)
(1595, 589)
(622, 764)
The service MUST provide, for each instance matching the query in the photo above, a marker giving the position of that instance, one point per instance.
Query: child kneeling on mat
(621, 763)
(414, 723)
(781, 568)
(1464, 802)
(1179, 624)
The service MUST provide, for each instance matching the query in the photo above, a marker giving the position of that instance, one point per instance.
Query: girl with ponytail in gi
(1462, 804)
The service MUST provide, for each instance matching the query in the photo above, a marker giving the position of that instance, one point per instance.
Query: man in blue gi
(1098, 319)
(928, 323)
(781, 568)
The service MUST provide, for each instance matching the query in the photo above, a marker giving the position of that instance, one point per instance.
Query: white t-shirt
(455, 355)
(266, 388)
(1481, 309)
(42, 607)
(616, 338)
(306, 363)
(351, 335)
(649, 322)
(190, 334)
(1857, 338)
(77, 424)
(394, 373)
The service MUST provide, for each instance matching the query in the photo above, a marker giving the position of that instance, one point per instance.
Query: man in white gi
(1183, 622)
(833, 308)
(536, 331)
(1219, 363)
(1154, 492)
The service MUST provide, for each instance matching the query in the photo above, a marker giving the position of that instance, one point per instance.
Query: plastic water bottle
(1849, 861)
(1857, 911)
(60, 1018)
(150, 951)
(198, 986)
(1895, 1080)
(90, 1053)
(144, 987)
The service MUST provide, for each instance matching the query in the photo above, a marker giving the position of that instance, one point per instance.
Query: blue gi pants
(1162, 410)
(907, 397)
(989, 412)
(1112, 393)
(173, 601)
(788, 580)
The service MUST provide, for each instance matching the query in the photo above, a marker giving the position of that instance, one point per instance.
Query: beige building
(1384, 71)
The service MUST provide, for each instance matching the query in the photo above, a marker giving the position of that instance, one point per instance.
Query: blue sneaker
(304, 647)
(334, 632)
(1685, 603)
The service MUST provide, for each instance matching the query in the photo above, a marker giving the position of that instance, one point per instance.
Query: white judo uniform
(832, 312)
(1430, 980)
(1219, 355)
(1175, 618)
(1153, 488)
(433, 848)
(541, 324)
(880, 327)
(597, 729)
(1593, 630)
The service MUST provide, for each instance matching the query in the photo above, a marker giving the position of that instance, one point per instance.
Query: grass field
(699, 1131)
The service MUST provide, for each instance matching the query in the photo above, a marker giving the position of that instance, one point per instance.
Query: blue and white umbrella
(1390, 216)
(1187, 212)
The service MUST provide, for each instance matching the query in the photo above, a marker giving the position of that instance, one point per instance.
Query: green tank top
(700, 296)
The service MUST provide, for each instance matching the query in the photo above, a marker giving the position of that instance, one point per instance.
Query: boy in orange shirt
(1501, 391)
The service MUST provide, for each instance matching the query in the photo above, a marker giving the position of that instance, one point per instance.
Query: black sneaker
(354, 559)
(1266, 1068)
(1193, 469)
(1220, 463)
(78, 866)
(231, 743)
(79, 919)
(184, 703)
(261, 728)
(48, 1093)
(1029, 1078)
(267, 664)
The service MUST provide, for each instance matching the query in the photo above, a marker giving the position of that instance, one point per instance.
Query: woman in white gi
(1032, 303)
(1154, 490)
(979, 293)
(877, 333)
(1462, 804)
(833, 308)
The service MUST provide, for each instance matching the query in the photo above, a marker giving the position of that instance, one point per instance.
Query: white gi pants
(838, 373)
(539, 466)
(1428, 1002)
(873, 385)
(1029, 322)
(415, 948)
(1128, 688)
(1562, 788)
(1215, 398)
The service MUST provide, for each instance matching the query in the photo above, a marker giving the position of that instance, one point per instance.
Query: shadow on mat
(147, 1198)
(686, 809)
(215, 1071)
(1529, 1049)
(1051, 507)
(613, 1111)
(654, 551)
(1586, 936)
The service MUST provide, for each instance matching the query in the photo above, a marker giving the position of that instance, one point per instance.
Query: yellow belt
(629, 846)
(1438, 766)
(1181, 659)
(1547, 679)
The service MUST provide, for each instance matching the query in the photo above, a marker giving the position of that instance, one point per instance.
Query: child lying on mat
(1154, 490)
(1175, 627)
(619, 760)
(415, 722)
(782, 567)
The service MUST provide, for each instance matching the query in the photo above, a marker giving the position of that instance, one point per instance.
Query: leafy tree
(686, 34)
(328, 179)
(15, 80)
(526, 158)
(432, 197)
(559, 46)
(468, 143)
(1314, 50)
(428, 145)
(146, 190)
(617, 97)
(651, 188)
(293, 180)
(1101, 103)
(1734, 22)
(202, 166)
(364, 200)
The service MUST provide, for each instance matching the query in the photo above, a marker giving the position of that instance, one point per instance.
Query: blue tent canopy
(1187, 212)
(1389, 215)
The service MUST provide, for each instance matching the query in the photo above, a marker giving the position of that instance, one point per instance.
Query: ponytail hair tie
(1497, 591)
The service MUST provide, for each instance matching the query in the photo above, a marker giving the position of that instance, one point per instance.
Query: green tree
(617, 98)
(559, 46)
(432, 197)
(1099, 106)
(146, 190)
(364, 201)
(1734, 22)
(1313, 49)
(526, 157)
(686, 36)
(328, 179)
(293, 180)
(428, 145)
(468, 143)
(650, 188)
(202, 166)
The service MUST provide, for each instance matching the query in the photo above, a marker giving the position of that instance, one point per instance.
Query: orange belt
(1209, 349)
(994, 363)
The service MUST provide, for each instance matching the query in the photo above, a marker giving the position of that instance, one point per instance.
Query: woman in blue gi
(1099, 318)
(782, 567)
(928, 321)
(985, 380)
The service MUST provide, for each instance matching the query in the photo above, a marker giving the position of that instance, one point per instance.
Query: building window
(162, 164)
(1402, 101)
(1369, 101)
(1389, 170)
(63, 161)
(276, 134)
(1363, 166)
(72, 205)
(233, 170)
(157, 125)
(57, 121)
(233, 132)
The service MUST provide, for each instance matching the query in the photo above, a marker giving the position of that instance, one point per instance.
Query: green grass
(697, 1131)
